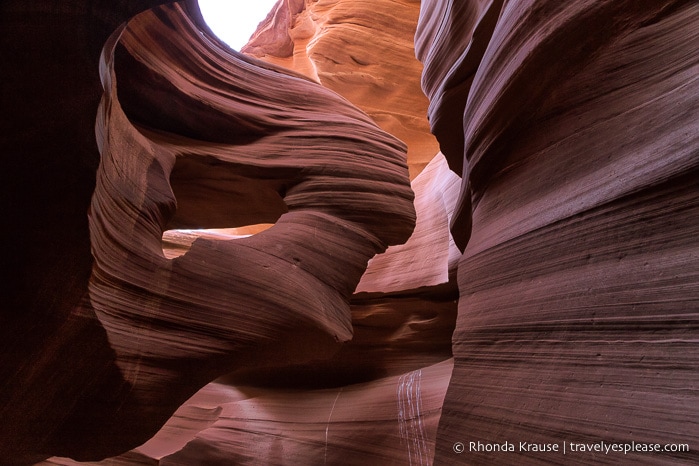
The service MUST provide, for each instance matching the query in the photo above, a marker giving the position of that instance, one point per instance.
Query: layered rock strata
(362, 50)
(398, 417)
(181, 121)
(403, 310)
(222, 424)
(389, 380)
(576, 127)
(573, 126)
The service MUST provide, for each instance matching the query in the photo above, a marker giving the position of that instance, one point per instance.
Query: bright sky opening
(234, 21)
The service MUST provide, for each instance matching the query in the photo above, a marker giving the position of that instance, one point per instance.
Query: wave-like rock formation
(398, 417)
(403, 310)
(223, 424)
(574, 125)
(281, 157)
(112, 335)
(362, 50)
(562, 205)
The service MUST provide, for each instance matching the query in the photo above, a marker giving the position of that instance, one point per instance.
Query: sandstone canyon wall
(574, 125)
(561, 220)
(107, 334)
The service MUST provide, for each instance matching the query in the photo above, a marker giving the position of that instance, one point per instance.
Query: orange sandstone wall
(362, 50)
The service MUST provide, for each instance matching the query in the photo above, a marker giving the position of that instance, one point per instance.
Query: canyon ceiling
(382, 231)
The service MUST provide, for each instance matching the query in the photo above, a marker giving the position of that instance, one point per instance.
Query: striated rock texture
(362, 49)
(397, 415)
(222, 424)
(403, 310)
(386, 385)
(283, 153)
(576, 127)
(107, 336)
(127, 128)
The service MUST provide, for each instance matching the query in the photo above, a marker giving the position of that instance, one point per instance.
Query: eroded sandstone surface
(550, 196)
(188, 135)
(574, 125)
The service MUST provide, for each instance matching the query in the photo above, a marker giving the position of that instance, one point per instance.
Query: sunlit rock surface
(572, 125)
(576, 126)
(110, 336)
(404, 307)
(398, 415)
(362, 49)
(430, 256)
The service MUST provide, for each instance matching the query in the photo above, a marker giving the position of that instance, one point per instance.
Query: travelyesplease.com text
(570, 447)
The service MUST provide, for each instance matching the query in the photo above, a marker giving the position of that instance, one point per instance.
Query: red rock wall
(573, 125)
(54, 355)
(111, 336)
(576, 126)
(403, 309)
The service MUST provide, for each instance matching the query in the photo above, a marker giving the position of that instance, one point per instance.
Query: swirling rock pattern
(319, 247)
(398, 414)
(573, 125)
(576, 126)
(403, 309)
(362, 50)
(142, 332)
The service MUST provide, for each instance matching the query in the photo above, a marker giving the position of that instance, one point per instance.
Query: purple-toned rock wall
(254, 258)
(574, 125)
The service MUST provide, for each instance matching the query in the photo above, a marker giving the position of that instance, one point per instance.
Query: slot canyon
(386, 232)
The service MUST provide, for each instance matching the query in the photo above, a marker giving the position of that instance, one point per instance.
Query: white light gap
(234, 21)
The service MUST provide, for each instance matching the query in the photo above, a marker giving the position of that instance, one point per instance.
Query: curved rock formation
(362, 50)
(143, 332)
(283, 153)
(573, 125)
(398, 416)
(429, 258)
(402, 314)
(576, 125)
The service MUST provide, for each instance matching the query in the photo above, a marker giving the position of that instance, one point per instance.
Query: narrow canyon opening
(220, 200)
(234, 21)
